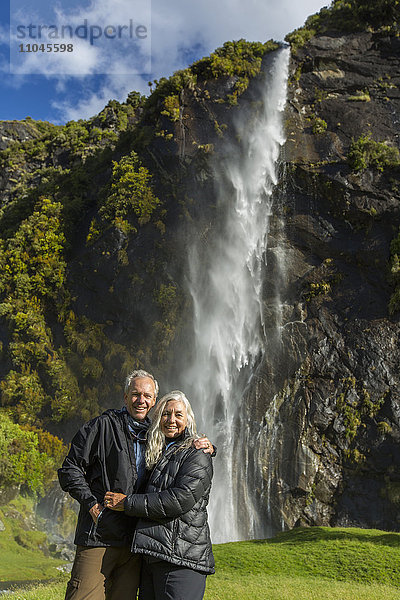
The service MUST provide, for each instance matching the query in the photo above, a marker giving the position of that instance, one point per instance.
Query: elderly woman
(172, 531)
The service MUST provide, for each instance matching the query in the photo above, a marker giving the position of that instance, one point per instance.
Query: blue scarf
(138, 430)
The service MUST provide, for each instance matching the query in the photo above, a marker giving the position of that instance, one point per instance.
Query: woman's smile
(173, 419)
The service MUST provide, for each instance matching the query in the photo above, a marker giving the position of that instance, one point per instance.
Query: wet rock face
(351, 83)
(337, 418)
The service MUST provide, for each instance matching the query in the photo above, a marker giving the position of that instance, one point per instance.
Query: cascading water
(226, 284)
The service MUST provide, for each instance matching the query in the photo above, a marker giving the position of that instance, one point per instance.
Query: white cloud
(104, 38)
(115, 88)
(179, 29)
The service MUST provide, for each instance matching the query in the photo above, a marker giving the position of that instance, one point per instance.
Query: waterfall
(226, 284)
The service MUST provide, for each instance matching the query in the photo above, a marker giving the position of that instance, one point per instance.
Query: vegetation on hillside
(44, 380)
(348, 16)
(28, 456)
(239, 59)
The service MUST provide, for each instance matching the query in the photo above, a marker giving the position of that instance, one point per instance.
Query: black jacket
(101, 458)
(173, 508)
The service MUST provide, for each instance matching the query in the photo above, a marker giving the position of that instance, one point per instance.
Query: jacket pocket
(112, 526)
(73, 588)
(93, 528)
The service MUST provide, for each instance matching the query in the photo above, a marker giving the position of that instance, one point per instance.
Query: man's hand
(204, 444)
(95, 511)
(114, 501)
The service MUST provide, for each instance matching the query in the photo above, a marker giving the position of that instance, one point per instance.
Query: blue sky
(134, 41)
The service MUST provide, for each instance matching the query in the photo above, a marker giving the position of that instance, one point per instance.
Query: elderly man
(108, 454)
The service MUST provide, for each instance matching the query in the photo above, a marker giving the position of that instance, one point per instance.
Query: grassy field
(23, 545)
(304, 564)
(315, 563)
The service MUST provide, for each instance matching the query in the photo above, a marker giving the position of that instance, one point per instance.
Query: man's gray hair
(140, 373)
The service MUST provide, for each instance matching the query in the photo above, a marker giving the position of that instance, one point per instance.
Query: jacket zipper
(131, 453)
(175, 534)
(93, 529)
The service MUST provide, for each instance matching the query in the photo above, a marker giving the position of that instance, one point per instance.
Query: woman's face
(173, 419)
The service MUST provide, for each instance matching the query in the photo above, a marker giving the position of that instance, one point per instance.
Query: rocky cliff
(96, 221)
(336, 411)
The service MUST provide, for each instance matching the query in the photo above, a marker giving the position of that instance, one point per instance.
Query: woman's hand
(114, 501)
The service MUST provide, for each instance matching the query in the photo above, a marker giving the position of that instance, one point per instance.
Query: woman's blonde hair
(156, 439)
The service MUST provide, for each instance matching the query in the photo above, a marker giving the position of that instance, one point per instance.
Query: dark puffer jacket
(101, 458)
(174, 523)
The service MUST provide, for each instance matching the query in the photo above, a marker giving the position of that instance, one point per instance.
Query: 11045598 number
(46, 47)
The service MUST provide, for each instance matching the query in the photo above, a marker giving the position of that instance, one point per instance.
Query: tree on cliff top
(348, 16)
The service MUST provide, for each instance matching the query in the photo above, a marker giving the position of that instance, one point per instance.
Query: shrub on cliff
(22, 461)
(131, 197)
(365, 152)
(239, 58)
(348, 16)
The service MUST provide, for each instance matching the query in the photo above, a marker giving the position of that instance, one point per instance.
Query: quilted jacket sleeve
(192, 482)
(72, 474)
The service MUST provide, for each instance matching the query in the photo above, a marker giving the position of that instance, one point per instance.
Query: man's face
(140, 397)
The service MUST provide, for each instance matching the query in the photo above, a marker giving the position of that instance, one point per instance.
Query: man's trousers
(104, 574)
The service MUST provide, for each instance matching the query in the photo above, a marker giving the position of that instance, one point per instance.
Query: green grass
(270, 587)
(312, 563)
(23, 549)
(52, 591)
(316, 563)
(363, 555)
(22, 564)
